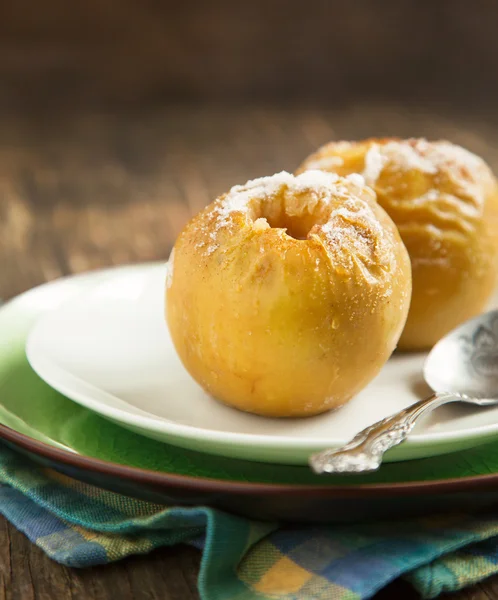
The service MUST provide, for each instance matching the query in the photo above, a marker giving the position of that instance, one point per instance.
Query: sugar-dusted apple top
(287, 294)
(339, 213)
(443, 161)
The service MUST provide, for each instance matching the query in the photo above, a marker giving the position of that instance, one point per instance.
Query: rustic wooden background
(137, 52)
(87, 190)
(119, 119)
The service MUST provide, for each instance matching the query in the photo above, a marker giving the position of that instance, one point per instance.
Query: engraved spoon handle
(365, 451)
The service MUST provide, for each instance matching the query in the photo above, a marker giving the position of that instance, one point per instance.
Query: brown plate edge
(218, 486)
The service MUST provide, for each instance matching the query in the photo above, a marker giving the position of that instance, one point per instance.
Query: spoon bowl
(466, 360)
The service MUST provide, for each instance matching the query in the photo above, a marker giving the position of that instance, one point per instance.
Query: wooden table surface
(79, 192)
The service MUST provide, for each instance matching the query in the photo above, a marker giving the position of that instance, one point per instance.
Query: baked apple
(444, 202)
(287, 295)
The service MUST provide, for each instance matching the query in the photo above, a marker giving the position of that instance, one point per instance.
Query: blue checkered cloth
(79, 525)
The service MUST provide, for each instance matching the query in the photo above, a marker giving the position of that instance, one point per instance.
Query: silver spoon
(462, 367)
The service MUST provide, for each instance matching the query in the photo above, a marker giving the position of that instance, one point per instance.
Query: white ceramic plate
(109, 349)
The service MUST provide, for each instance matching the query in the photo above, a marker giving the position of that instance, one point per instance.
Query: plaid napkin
(79, 525)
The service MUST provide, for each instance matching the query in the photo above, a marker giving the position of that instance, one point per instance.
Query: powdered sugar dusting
(465, 169)
(374, 163)
(256, 196)
(344, 209)
(239, 197)
(314, 180)
(263, 189)
(354, 212)
(355, 236)
(402, 155)
(357, 179)
(453, 153)
(408, 156)
(430, 196)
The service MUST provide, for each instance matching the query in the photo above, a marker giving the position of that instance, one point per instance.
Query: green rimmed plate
(61, 434)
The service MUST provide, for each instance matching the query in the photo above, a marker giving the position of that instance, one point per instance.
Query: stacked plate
(91, 386)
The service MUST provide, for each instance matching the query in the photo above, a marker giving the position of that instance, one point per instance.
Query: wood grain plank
(21, 585)
(5, 561)
(26, 572)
